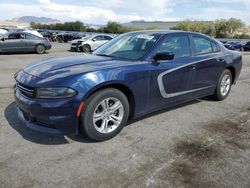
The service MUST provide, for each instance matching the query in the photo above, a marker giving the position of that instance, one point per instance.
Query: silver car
(90, 43)
(23, 42)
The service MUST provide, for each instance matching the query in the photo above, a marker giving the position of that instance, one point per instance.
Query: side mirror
(164, 56)
(94, 40)
(2, 39)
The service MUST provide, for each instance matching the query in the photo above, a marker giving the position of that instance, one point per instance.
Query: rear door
(209, 64)
(106, 39)
(30, 41)
(97, 41)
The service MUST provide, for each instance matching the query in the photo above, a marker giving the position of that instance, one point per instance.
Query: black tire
(59, 39)
(87, 126)
(86, 48)
(219, 96)
(40, 49)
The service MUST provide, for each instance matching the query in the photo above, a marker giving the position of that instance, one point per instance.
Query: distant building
(152, 24)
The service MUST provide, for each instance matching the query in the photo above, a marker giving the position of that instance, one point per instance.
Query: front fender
(90, 82)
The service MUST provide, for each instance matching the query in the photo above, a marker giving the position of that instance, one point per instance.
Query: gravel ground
(199, 144)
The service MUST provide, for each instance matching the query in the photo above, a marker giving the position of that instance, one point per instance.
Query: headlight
(54, 93)
(79, 42)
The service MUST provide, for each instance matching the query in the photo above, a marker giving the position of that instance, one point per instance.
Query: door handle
(221, 60)
(193, 67)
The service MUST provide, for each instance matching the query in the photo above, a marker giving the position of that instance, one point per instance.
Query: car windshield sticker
(147, 37)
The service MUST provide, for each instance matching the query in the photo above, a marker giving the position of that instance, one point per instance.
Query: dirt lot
(200, 144)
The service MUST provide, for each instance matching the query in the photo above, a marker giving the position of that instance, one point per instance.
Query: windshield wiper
(105, 55)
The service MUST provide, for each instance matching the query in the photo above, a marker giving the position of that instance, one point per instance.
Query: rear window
(202, 45)
(30, 36)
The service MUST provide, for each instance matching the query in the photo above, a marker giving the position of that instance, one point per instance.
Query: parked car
(132, 75)
(48, 35)
(34, 32)
(23, 42)
(247, 46)
(234, 45)
(90, 43)
(66, 37)
(3, 31)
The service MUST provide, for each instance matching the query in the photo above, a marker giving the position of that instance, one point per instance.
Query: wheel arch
(233, 72)
(86, 44)
(120, 86)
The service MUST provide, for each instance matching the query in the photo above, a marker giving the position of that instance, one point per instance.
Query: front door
(173, 79)
(13, 43)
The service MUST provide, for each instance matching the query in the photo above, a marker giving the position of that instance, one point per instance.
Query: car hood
(73, 65)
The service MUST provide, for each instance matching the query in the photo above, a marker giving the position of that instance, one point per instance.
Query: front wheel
(224, 85)
(86, 48)
(105, 114)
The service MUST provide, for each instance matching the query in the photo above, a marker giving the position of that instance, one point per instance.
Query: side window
(16, 36)
(29, 36)
(107, 38)
(98, 38)
(215, 47)
(202, 45)
(179, 45)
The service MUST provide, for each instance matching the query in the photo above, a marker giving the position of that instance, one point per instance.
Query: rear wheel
(224, 85)
(40, 49)
(105, 114)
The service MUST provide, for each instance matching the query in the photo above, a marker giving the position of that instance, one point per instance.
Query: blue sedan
(134, 74)
(234, 45)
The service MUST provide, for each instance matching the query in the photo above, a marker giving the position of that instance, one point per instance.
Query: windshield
(132, 46)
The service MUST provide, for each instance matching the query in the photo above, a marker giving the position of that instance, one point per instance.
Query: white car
(90, 43)
(34, 32)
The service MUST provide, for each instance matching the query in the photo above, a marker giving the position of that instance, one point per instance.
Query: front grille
(26, 90)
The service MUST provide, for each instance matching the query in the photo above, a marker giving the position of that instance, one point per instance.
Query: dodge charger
(134, 74)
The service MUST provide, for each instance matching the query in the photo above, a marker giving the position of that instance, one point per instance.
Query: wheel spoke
(104, 104)
(98, 116)
(115, 106)
(104, 126)
(115, 120)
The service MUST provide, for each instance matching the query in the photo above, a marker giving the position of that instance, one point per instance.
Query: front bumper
(75, 47)
(48, 116)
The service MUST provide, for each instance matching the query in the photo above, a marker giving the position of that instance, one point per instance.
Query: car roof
(165, 32)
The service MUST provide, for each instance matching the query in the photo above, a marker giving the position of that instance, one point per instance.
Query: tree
(221, 28)
(113, 27)
(67, 26)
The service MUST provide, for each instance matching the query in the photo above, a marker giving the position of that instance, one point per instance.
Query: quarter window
(179, 45)
(215, 47)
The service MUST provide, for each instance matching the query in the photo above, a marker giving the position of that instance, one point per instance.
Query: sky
(102, 11)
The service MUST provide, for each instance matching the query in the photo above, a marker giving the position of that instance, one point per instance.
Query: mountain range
(28, 19)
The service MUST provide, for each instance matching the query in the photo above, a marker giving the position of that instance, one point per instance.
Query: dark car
(234, 45)
(23, 42)
(66, 37)
(132, 75)
(49, 35)
(247, 46)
